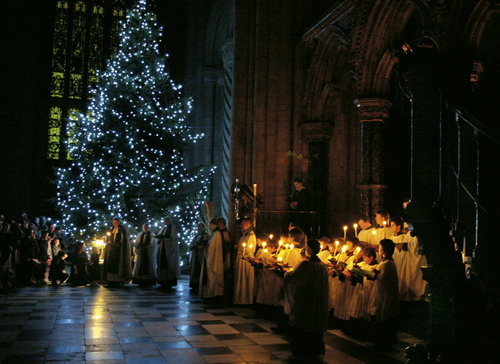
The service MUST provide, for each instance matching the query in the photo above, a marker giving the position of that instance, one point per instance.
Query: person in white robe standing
(168, 255)
(244, 271)
(145, 258)
(212, 269)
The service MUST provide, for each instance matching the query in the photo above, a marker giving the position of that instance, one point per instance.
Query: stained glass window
(54, 143)
(85, 34)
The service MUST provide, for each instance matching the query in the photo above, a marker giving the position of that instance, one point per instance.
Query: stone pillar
(318, 134)
(372, 113)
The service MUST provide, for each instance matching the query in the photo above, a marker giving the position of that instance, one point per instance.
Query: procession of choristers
(368, 275)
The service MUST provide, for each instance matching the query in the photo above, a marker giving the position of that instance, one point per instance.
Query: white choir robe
(323, 256)
(257, 272)
(244, 274)
(266, 293)
(417, 285)
(213, 267)
(361, 295)
(151, 250)
(401, 259)
(384, 299)
(344, 291)
(367, 236)
(333, 286)
(169, 246)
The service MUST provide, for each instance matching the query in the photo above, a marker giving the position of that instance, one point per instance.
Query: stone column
(318, 133)
(372, 113)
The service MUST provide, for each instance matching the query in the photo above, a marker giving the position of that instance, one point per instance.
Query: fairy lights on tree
(127, 150)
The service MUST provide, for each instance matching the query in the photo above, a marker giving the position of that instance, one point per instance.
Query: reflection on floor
(137, 325)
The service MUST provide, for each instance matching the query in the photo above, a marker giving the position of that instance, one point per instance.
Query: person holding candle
(345, 288)
(366, 233)
(212, 269)
(244, 274)
(382, 218)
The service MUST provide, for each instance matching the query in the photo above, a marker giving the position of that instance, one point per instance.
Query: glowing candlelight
(373, 232)
(343, 251)
(291, 246)
(250, 246)
(345, 232)
(280, 259)
(385, 223)
(356, 230)
(281, 243)
(265, 250)
(358, 249)
(336, 246)
(264, 244)
(244, 245)
(255, 195)
(287, 246)
(271, 236)
(321, 247)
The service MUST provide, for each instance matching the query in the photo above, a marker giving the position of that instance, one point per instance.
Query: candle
(287, 246)
(280, 259)
(291, 246)
(281, 243)
(271, 236)
(321, 247)
(336, 246)
(385, 223)
(343, 251)
(255, 195)
(356, 230)
(373, 232)
(244, 248)
(345, 231)
(264, 244)
(265, 250)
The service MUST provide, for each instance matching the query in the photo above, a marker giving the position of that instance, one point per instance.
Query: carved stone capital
(372, 109)
(316, 130)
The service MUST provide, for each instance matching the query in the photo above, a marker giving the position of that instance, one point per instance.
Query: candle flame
(291, 246)
(271, 236)
(321, 246)
(281, 243)
(355, 226)
(279, 259)
(264, 244)
(358, 249)
(345, 227)
(337, 242)
(344, 248)
(250, 246)
(244, 245)
(374, 232)
(265, 250)
(287, 246)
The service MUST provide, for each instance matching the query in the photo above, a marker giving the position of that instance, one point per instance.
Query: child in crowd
(95, 269)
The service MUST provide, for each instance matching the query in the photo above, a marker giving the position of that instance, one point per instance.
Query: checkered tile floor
(146, 326)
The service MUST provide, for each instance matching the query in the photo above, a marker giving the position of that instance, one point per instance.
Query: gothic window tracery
(86, 32)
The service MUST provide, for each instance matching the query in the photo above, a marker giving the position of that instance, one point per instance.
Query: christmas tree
(127, 151)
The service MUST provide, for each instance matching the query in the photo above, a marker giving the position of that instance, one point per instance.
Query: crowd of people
(355, 281)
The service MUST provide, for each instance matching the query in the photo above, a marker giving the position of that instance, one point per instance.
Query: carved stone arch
(328, 61)
(380, 25)
(220, 30)
(381, 83)
(477, 21)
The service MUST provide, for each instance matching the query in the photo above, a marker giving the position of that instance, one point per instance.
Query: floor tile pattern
(148, 326)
